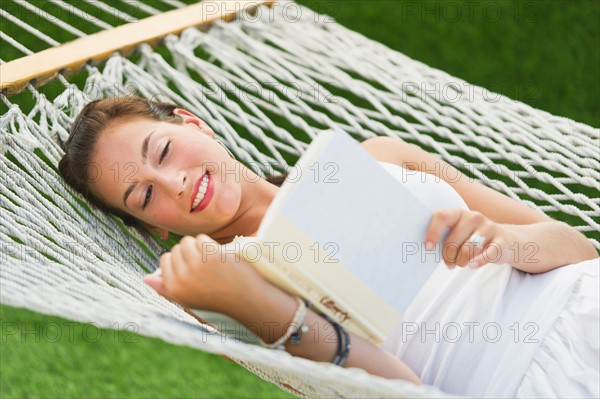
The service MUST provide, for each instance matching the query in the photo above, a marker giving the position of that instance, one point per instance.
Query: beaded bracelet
(296, 325)
(343, 343)
(297, 336)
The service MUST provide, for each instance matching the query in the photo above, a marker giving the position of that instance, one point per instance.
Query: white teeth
(201, 192)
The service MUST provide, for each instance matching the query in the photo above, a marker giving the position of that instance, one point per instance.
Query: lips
(207, 196)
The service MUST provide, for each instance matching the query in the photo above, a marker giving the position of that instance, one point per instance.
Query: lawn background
(544, 53)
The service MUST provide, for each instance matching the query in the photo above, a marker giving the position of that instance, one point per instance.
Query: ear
(188, 117)
(164, 234)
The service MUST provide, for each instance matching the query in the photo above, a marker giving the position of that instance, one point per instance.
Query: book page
(350, 206)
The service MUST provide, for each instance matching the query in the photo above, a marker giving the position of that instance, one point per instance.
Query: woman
(159, 167)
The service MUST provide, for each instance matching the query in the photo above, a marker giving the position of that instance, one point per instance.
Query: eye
(147, 197)
(165, 152)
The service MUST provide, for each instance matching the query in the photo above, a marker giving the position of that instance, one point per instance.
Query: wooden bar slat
(69, 57)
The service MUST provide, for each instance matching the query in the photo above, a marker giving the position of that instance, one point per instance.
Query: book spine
(293, 281)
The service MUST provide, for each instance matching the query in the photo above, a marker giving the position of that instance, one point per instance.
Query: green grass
(50, 357)
(547, 56)
(544, 53)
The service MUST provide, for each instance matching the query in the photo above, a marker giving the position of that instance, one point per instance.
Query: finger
(207, 246)
(457, 247)
(172, 273)
(492, 253)
(165, 266)
(179, 265)
(156, 282)
(479, 260)
(189, 251)
(441, 219)
(455, 242)
(470, 250)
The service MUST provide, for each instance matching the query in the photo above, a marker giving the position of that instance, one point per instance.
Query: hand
(462, 225)
(197, 274)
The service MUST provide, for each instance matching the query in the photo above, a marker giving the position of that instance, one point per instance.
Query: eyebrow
(145, 145)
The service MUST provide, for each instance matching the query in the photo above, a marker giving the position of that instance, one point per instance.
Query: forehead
(117, 152)
(123, 139)
(127, 130)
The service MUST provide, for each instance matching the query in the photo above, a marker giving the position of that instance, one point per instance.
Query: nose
(174, 183)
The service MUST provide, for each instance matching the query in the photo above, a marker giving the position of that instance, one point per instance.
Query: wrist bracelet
(297, 336)
(343, 343)
(296, 326)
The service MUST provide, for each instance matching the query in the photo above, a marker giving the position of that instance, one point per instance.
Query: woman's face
(172, 177)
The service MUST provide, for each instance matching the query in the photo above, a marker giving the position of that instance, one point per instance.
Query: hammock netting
(267, 83)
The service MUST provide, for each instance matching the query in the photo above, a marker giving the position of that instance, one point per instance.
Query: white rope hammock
(267, 84)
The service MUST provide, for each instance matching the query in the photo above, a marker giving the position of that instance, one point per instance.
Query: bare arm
(197, 275)
(540, 247)
(534, 242)
(274, 307)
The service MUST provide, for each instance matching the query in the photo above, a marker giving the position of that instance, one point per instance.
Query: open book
(346, 235)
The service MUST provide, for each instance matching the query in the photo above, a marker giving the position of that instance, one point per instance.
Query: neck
(256, 198)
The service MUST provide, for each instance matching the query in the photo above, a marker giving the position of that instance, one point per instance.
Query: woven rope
(267, 84)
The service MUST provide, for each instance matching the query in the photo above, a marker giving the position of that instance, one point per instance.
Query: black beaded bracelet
(343, 343)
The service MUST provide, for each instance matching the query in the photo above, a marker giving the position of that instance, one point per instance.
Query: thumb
(157, 284)
(205, 238)
(206, 245)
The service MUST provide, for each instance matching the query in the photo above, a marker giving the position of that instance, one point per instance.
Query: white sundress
(497, 331)
(521, 335)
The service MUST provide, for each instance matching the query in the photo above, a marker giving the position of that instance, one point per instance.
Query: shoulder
(496, 206)
(391, 149)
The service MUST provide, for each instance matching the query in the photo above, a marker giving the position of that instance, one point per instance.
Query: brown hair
(93, 119)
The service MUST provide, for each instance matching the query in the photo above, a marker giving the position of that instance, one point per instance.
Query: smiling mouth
(203, 190)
